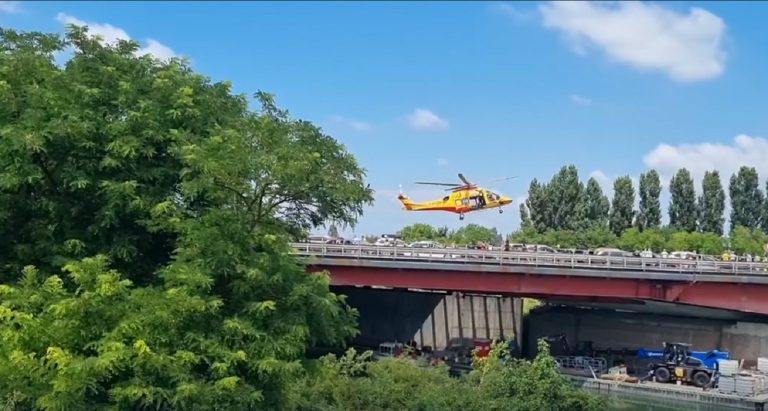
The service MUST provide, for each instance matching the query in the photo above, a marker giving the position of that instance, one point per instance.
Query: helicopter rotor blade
(502, 179)
(461, 177)
(438, 184)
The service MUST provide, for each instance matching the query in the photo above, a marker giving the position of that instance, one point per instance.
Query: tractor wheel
(662, 375)
(700, 378)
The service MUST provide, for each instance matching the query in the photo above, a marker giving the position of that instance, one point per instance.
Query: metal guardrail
(593, 364)
(536, 259)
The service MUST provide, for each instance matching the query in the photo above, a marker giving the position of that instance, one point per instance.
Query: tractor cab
(680, 354)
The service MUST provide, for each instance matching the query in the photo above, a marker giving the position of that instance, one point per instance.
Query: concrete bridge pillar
(460, 315)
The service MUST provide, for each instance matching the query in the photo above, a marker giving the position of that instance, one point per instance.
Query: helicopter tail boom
(407, 202)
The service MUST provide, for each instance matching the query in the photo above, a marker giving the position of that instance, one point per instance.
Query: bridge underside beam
(731, 296)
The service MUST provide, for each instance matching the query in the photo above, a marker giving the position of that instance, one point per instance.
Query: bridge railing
(537, 259)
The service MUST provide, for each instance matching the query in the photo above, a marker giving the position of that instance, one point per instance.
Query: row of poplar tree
(565, 203)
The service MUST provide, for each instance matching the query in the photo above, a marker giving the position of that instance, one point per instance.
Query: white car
(424, 254)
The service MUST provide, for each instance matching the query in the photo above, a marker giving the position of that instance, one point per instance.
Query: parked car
(425, 254)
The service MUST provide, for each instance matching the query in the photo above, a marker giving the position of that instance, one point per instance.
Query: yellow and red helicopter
(464, 198)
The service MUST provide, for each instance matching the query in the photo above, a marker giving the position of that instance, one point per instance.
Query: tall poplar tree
(746, 198)
(711, 204)
(595, 206)
(649, 214)
(538, 206)
(682, 205)
(565, 192)
(622, 207)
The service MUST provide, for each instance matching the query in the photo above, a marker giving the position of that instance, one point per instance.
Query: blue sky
(421, 91)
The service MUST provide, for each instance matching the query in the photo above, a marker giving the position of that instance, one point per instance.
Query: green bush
(353, 382)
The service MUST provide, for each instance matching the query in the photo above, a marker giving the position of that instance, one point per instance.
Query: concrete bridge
(737, 286)
(434, 295)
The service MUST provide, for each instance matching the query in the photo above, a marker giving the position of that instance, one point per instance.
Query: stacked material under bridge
(431, 318)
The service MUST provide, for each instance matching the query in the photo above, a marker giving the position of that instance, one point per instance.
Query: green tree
(525, 216)
(706, 243)
(701, 243)
(747, 240)
(474, 233)
(531, 385)
(562, 238)
(333, 231)
(539, 206)
(634, 239)
(594, 205)
(746, 198)
(622, 207)
(565, 193)
(79, 176)
(598, 236)
(712, 204)
(168, 205)
(764, 215)
(418, 232)
(353, 382)
(681, 240)
(682, 204)
(649, 213)
(526, 235)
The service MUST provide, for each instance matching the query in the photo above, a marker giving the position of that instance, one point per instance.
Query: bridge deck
(559, 264)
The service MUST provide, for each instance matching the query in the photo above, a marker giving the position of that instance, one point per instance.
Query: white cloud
(604, 181)
(355, 125)
(157, 49)
(699, 158)
(9, 6)
(425, 119)
(685, 46)
(111, 35)
(581, 100)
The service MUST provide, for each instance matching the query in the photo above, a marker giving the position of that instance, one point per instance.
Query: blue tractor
(677, 362)
(708, 358)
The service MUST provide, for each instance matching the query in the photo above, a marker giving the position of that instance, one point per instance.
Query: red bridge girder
(731, 296)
